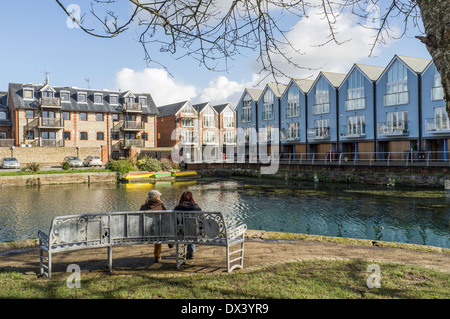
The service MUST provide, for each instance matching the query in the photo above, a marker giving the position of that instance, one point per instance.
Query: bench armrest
(237, 231)
(43, 238)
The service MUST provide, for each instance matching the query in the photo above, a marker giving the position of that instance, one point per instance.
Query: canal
(407, 215)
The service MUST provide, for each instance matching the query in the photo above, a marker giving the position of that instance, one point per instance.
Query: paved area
(258, 254)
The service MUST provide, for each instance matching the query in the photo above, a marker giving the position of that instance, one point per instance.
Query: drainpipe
(337, 120)
(374, 107)
(306, 125)
(419, 79)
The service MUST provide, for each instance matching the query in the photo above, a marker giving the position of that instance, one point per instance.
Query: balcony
(50, 102)
(437, 126)
(355, 104)
(133, 142)
(6, 142)
(48, 143)
(437, 93)
(319, 133)
(353, 131)
(398, 128)
(132, 107)
(396, 98)
(51, 123)
(132, 126)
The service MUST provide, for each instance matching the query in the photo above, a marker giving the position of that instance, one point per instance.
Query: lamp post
(12, 150)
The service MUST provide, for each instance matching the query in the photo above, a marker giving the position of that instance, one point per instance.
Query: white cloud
(163, 88)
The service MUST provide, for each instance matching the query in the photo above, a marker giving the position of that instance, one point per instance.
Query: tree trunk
(436, 20)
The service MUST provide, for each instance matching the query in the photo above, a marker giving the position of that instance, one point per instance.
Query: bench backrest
(119, 228)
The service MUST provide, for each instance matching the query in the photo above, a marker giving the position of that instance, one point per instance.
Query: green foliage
(121, 167)
(66, 166)
(33, 167)
(149, 164)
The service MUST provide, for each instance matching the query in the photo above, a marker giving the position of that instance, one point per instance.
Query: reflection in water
(401, 215)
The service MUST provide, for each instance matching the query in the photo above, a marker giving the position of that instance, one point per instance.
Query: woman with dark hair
(187, 203)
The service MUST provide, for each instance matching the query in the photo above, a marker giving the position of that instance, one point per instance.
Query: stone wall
(48, 156)
(55, 179)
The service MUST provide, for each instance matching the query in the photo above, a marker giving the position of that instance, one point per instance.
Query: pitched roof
(16, 90)
(219, 108)
(304, 84)
(371, 71)
(418, 65)
(277, 89)
(201, 106)
(171, 109)
(254, 93)
(334, 78)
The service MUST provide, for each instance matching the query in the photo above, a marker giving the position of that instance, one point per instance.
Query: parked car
(93, 161)
(10, 162)
(73, 161)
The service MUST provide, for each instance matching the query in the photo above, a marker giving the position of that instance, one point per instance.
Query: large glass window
(247, 108)
(322, 97)
(293, 131)
(437, 93)
(355, 92)
(208, 118)
(228, 118)
(397, 85)
(293, 102)
(268, 99)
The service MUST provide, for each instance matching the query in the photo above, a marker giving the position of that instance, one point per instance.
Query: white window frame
(61, 93)
(293, 102)
(101, 98)
(247, 108)
(322, 97)
(30, 90)
(209, 118)
(268, 102)
(81, 94)
(114, 96)
(397, 85)
(143, 100)
(293, 130)
(209, 137)
(228, 118)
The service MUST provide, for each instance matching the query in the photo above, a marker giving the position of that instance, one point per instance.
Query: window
(322, 97)
(83, 136)
(82, 98)
(356, 125)
(47, 93)
(29, 135)
(248, 134)
(437, 93)
(267, 133)
(66, 135)
(99, 117)
(100, 136)
(2, 115)
(113, 99)
(115, 117)
(397, 85)
(209, 137)
(144, 118)
(187, 111)
(293, 131)
(228, 118)
(293, 102)
(144, 136)
(83, 116)
(143, 100)
(208, 118)
(229, 137)
(129, 99)
(187, 136)
(64, 96)
(66, 116)
(115, 136)
(268, 113)
(441, 119)
(321, 129)
(29, 114)
(397, 122)
(2, 135)
(98, 98)
(187, 122)
(355, 92)
(48, 135)
(247, 108)
(28, 94)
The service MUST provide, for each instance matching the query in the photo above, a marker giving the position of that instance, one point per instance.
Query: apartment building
(209, 134)
(43, 115)
(357, 118)
(293, 114)
(177, 125)
(5, 121)
(227, 128)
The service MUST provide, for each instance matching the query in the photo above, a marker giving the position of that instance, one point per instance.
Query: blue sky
(36, 38)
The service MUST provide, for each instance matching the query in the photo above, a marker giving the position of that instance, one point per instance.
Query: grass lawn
(297, 280)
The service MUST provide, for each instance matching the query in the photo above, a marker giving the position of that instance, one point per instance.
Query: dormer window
(98, 98)
(82, 97)
(47, 93)
(28, 94)
(129, 99)
(64, 96)
(143, 100)
(113, 99)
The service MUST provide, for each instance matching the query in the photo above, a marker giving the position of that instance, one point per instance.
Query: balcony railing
(396, 98)
(355, 104)
(437, 125)
(246, 117)
(133, 125)
(47, 122)
(321, 108)
(319, 133)
(6, 142)
(393, 128)
(353, 131)
(132, 107)
(53, 102)
(133, 142)
(48, 142)
(437, 93)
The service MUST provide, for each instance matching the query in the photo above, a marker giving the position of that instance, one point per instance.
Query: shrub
(166, 164)
(33, 167)
(66, 166)
(121, 167)
(149, 164)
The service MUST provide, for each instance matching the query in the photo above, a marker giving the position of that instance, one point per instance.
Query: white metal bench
(97, 230)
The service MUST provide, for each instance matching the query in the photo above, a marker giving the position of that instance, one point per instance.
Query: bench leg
(110, 258)
(181, 252)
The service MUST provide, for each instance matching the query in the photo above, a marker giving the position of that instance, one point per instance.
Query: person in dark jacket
(154, 202)
(187, 203)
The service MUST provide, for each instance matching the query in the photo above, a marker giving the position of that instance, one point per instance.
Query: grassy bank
(306, 279)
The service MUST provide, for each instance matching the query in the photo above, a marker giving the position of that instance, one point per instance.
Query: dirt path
(258, 253)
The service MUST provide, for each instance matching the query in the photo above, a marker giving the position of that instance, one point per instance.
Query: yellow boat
(184, 173)
(139, 175)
